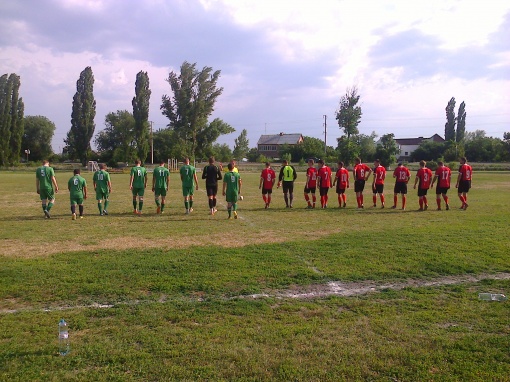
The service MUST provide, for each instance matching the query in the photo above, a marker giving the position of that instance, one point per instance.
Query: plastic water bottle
(492, 297)
(63, 337)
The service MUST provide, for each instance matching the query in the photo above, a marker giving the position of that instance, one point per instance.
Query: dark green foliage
(116, 142)
(428, 150)
(141, 114)
(37, 135)
(461, 123)
(11, 119)
(241, 145)
(82, 117)
(348, 116)
(387, 150)
(449, 127)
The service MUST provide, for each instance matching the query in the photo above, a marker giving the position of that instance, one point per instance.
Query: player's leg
(374, 196)
(307, 197)
(134, 201)
(73, 209)
(106, 203)
(163, 203)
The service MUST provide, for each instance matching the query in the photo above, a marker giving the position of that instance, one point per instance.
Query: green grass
(179, 288)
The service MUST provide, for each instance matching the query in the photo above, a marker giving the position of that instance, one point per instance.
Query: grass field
(277, 295)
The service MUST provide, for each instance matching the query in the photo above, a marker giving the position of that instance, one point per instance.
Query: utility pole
(325, 134)
(152, 145)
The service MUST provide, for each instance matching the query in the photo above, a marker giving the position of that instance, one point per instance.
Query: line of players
(321, 178)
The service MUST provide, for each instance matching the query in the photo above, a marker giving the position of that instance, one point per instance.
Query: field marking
(315, 291)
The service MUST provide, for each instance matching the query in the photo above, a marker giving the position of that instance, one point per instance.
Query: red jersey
(465, 172)
(425, 176)
(342, 176)
(311, 176)
(402, 174)
(325, 174)
(380, 174)
(269, 177)
(360, 171)
(444, 175)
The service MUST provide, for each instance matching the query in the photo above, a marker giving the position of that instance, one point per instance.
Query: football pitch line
(307, 292)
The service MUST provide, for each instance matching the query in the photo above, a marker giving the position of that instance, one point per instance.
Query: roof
(279, 139)
(419, 140)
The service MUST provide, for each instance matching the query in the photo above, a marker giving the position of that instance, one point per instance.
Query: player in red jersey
(267, 180)
(378, 183)
(311, 183)
(342, 182)
(464, 181)
(402, 176)
(361, 173)
(443, 175)
(424, 176)
(324, 178)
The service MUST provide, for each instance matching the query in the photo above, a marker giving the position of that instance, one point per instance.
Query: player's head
(440, 163)
(186, 160)
(463, 160)
(422, 163)
(377, 162)
(357, 160)
(102, 166)
(138, 162)
(211, 160)
(76, 171)
(285, 162)
(268, 164)
(233, 161)
(230, 166)
(400, 164)
(340, 164)
(45, 162)
(320, 162)
(310, 162)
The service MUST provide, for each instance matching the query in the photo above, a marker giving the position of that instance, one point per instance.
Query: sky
(284, 64)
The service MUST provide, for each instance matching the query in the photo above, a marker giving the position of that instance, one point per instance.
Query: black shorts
(212, 190)
(400, 188)
(359, 185)
(323, 191)
(378, 188)
(422, 191)
(340, 190)
(308, 190)
(266, 191)
(441, 190)
(288, 186)
(464, 186)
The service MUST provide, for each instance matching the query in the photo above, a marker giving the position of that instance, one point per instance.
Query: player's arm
(459, 178)
(196, 180)
(37, 186)
(145, 180)
(261, 180)
(434, 180)
(416, 180)
(54, 181)
(218, 174)
(109, 184)
(204, 173)
(153, 181)
(131, 182)
(368, 174)
(85, 191)
(167, 182)
(240, 185)
(224, 186)
(280, 177)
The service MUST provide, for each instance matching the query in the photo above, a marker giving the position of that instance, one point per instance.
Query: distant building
(269, 145)
(408, 145)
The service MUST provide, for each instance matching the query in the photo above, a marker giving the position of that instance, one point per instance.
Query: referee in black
(211, 174)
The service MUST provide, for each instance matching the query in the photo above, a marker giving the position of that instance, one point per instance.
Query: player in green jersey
(103, 188)
(231, 189)
(160, 182)
(77, 187)
(137, 184)
(46, 186)
(188, 176)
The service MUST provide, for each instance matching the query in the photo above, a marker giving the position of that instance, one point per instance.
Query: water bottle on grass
(492, 297)
(63, 337)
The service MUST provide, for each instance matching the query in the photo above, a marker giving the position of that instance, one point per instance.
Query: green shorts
(47, 194)
(100, 195)
(231, 197)
(159, 192)
(187, 191)
(76, 200)
(139, 191)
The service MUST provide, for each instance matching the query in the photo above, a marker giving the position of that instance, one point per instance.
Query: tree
(348, 116)
(116, 143)
(11, 119)
(222, 152)
(194, 96)
(82, 117)
(366, 146)
(387, 149)
(506, 146)
(461, 123)
(449, 127)
(37, 135)
(241, 145)
(209, 135)
(141, 114)
(428, 150)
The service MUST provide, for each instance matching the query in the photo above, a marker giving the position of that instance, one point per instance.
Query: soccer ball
(241, 197)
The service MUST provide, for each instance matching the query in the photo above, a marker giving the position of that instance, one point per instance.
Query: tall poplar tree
(241, 145)
(11, 119)
(194, 95)
(449, 127)
(82, 117)
(141, 114)
(461, 122)
(348, 116)
(17, 122)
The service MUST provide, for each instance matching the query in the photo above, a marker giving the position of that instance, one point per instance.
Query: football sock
(445, 199)
(383, 199)
(339, 199)
(134, 204)
(395, 200)
(234, 206)
(214, 202)
(307, 198)
(99, 207)
(358, 200)
(404, 201)
(286, 199)
(268, 199)
(325, 199)
(438, 200)
(421, 202)
(264, 198)
(80, 208)
(374, 198)
(106, 202)
(140, 205)
(162, 206)
(191, 203)
(361, 199)
(344, 198)
(44, 207)
(73, 208)
(186, 205)
(157, 202)
(314, 198)
(425, 202)
(462, 199)
(210, 203)
(50, 204)
(229, 209)
(291, 197)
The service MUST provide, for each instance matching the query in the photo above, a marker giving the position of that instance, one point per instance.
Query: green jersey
(139, 174)
(187, 175)
(44, 174)
(101, 179)
(161, 175)
(76, 185)
(231, 178)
